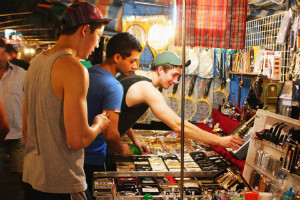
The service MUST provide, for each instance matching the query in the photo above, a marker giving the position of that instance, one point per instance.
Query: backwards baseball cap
(169, 58)
(81, 13)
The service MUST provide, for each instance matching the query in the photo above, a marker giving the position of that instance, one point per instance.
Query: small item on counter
(134, 150)
(147, 196)
(289, 195)
(251, 195)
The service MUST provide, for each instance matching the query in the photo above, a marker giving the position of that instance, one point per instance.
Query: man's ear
(117, 57)
(84, 29)
(160, 69)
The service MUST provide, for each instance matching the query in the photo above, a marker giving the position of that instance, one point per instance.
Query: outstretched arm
(155, 100)
(24, 126)
(142, 147)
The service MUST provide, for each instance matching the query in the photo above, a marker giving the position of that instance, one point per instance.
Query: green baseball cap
(169, 58)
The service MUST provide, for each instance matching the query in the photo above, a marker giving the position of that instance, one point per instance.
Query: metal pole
(182, 101)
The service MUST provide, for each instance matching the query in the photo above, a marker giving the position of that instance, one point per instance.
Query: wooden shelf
(245, 73)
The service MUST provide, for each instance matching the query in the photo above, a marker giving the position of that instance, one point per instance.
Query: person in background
(38, 51)
(4, 126)
(11, 87)
(56, 128)
(140, 93)
(11, 54)
(105, 94)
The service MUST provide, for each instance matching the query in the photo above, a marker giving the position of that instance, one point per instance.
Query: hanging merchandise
(294, 34)
(219, 94)
(190, 104)
(173, 100)
(153, 33)
(195, 60)
(213, 23)
(206, 62)
(258, 60)
(203, 106)
(145, 118)
(190, 54)
(271, 64)
(220, 83)
(217, 63)
(296, 68)
(139, 33)
(159, 36)
(284, 27)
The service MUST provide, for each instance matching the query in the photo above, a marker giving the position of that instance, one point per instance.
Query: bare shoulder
(67, 67)
(139, 92)
(142, 87)
(66, 73)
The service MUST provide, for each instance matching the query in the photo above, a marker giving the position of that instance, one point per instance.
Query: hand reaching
(102, 120)
(231, 142)
(141, 146)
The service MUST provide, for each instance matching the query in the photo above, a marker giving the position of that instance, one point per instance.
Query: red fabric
(214, 23)
(228, 125)
(225, 122)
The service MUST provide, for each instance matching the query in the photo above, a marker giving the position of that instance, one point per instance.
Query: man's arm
(24, 126)
(150, 95)
(142, 147)
(112, 136)
(4, 127)
(73, 79)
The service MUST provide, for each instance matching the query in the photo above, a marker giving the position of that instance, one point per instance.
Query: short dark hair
(123, 44)
(2, 43)
(10, 48)
(166, 67)
(72, 30)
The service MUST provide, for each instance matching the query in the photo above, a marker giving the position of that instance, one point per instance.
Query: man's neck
(153, 76)
(110, 66)
(64, 43)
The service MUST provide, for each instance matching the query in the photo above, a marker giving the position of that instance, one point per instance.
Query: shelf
(279, 118)
(263, 172)
(245, 73)
(265, 120)
(270, 144)
(140, 197)
(154, 173)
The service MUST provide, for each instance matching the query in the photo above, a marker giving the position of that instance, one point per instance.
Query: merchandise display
(273, 164)
(158, 173)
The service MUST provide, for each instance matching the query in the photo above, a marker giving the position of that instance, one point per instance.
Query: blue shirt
(105, 92)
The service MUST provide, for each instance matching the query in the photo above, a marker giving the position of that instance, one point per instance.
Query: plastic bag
(284, 27)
